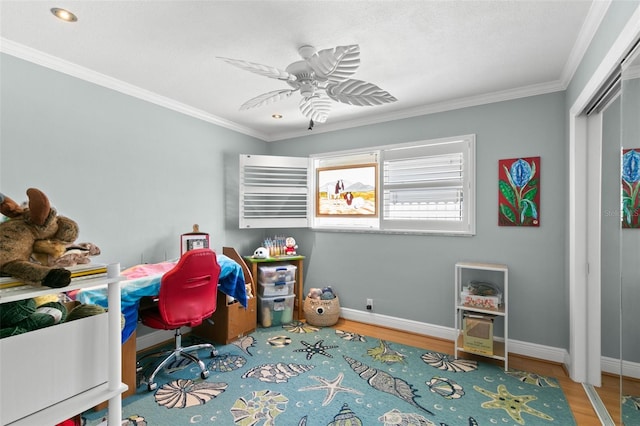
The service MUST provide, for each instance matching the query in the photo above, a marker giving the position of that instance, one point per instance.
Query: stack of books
(78, 272)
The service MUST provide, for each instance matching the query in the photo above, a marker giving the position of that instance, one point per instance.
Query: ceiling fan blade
(358, 92)
(317, 108)
(267, 98)
(266, 70)
(336, 64)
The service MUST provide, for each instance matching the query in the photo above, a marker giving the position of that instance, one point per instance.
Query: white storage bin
(275, 310)
(277, 274)
(276, 289)
(45, 366)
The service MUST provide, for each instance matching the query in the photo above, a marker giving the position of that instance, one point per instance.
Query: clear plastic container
(275, 310)
(277, 274)
(276, 289)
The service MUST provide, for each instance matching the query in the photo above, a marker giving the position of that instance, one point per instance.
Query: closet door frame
(584, 354)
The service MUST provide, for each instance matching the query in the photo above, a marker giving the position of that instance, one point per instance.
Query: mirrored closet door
(618, 226)
(630, 242)
(610, 258)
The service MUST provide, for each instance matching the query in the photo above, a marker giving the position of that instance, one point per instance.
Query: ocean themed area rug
(298, 374)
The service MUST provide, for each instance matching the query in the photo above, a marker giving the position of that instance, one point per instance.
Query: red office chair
(188, 295)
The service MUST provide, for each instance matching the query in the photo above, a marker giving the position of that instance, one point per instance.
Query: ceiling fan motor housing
(305, 78)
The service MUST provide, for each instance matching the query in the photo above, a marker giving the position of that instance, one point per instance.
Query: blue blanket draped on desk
(144, 280)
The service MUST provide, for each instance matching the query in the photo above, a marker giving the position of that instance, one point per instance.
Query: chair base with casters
(175, 355)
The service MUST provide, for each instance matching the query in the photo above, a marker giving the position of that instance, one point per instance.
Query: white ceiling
(431, 55)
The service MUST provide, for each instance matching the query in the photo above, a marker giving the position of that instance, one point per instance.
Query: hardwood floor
(583, 412)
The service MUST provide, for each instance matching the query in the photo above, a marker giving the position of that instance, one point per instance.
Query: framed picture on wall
(519, 192)
(347, 190)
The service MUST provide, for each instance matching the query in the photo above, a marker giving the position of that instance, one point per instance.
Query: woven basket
(322, 312)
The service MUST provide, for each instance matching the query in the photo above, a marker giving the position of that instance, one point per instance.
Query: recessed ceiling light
(64, 14)
(277, 116)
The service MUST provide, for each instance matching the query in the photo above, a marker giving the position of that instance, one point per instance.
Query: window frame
(464, 144)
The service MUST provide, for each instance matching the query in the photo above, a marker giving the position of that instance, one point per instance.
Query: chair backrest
(188, 292)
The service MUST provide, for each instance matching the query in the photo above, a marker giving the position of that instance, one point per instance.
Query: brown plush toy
(25, 227)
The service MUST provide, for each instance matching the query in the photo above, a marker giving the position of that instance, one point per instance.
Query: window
(419, 187)
(429, 186)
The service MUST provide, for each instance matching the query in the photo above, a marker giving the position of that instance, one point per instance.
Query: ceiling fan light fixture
(307, 89)
(64, 14)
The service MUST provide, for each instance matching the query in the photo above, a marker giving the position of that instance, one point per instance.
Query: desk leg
(300, 290)
(254, 273)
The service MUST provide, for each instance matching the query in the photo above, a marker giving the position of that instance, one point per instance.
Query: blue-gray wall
(412, 276)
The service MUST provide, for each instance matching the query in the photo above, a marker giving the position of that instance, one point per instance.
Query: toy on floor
(25, 227)
(325, 293)
(322, 307)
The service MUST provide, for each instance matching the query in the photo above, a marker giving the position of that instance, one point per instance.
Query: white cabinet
(465, 273)
(51, 374)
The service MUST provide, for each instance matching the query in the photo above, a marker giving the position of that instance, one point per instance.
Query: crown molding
(52, 62)
(589, 28)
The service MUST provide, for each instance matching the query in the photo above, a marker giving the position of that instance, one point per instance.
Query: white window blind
(273, 191)
(429, 186)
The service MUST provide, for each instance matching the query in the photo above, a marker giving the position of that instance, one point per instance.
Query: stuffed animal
(46, 251)
(26, 226)
(54, 253)
(290, 246)
(261, 253)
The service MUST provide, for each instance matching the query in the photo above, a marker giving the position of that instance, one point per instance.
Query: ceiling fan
(320, 77)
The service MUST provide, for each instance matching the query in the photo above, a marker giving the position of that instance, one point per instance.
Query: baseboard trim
(533, 350)
(613, 366)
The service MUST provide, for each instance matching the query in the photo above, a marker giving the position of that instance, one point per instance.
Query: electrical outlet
(369, 304)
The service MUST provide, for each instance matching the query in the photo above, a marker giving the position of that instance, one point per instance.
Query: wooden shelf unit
(500, 347)
(298, 262)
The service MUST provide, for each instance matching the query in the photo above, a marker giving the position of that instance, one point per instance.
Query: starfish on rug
(331, 386)
(316, 348)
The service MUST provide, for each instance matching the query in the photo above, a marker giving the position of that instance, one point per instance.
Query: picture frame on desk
(193, 241)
